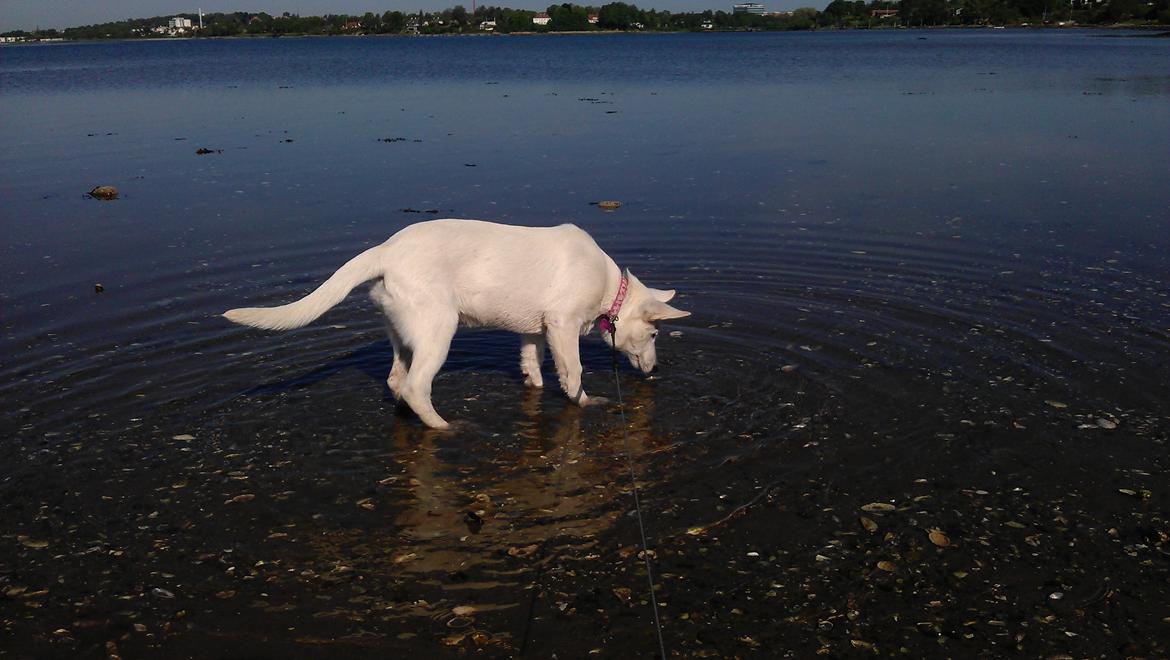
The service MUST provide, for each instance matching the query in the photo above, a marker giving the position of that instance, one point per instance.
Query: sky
(30, 14)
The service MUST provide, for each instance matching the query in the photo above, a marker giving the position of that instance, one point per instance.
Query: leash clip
(608, 323)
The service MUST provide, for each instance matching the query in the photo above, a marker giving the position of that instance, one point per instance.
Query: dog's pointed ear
(660, 311)
(662, 295)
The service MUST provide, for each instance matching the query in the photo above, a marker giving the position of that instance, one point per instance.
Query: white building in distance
(749, 8)
(179, 23)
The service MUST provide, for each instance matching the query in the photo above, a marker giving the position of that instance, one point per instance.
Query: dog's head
(637, 325)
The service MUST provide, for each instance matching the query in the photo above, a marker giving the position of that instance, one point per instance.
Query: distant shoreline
(1151, 31)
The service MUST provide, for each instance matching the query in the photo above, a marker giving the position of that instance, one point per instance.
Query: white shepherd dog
(549, 284)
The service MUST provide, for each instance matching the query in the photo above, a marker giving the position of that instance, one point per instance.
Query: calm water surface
(948, 244)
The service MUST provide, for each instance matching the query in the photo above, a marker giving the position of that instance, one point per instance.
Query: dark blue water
(914, 234)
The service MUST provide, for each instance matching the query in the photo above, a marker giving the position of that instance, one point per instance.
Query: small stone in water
(869, 524)
(1056, 404)
(1106, 424)
(938, 538)
(31, 543)
(162, 593)
(183, 437)
(887, 566)
(463, 610)
(876, 507)
(525, 551)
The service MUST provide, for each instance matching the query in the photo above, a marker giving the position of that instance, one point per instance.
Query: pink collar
(608, 320)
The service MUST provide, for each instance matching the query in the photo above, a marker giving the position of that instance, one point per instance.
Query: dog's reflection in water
(552, 488)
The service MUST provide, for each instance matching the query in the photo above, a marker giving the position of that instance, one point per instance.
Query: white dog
(548, 284)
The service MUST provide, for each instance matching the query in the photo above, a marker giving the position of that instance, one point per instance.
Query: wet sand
(248, 536)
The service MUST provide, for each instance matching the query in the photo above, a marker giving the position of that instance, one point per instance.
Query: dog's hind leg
(531, 357)
(401, 365)
(430, 342)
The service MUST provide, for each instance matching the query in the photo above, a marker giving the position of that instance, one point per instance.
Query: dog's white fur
(549, 284)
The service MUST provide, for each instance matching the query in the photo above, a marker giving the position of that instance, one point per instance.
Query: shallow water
(922, 266)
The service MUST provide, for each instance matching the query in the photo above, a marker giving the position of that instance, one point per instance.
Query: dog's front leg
(564, 342)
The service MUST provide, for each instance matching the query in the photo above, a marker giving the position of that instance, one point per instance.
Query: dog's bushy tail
(361, 268)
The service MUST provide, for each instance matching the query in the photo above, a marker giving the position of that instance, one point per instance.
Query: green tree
(459, 15)
(617, 16)
(568, 18)
(393, 22)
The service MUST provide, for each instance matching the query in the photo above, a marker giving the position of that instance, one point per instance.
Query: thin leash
(525, 636)
(634, 483)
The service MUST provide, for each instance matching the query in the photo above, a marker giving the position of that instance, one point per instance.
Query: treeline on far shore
(855, 14)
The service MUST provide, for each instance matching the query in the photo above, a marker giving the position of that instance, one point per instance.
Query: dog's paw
(457, 426)
(596, 401)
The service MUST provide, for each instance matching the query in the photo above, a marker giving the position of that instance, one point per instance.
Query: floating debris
(98, 288)
(877, 507)
(203, 151)
(104, 193)
(1056, 404)
(609, 205)
(868, 524)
